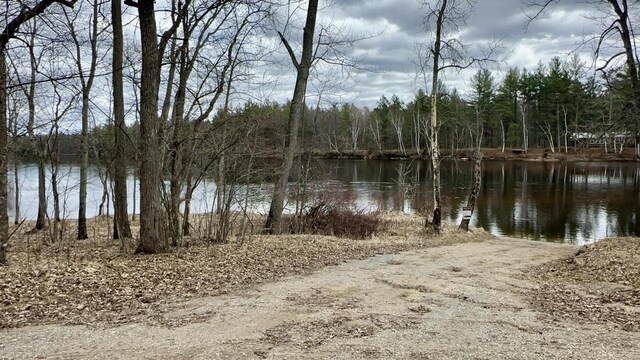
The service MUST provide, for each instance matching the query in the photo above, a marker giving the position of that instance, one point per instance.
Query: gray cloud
(391, 58)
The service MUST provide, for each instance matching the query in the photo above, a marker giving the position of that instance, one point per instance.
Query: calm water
(572, 202)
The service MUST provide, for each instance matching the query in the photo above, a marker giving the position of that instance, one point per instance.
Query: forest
(179, 91)
(557, 107)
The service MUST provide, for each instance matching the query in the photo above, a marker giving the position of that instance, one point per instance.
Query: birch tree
(356, 127)
(483, 102)
(445, 19)
(397, 121)
(444, 16)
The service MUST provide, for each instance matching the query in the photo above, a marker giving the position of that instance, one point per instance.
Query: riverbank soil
(464, 296)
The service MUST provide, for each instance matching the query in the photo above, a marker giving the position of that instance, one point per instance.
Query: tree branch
(289, 50)
(27, 14)
(131, 3)
(606, 64)
(541, 9)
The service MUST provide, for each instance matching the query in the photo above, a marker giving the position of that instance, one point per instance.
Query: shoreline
(471, 295)
(488, 154)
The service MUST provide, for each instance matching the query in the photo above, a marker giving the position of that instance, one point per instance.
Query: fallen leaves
(599, 284)
(89, 282)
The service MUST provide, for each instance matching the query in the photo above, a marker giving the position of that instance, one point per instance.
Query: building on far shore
(596, 140)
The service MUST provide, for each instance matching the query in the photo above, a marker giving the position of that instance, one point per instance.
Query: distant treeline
(556, 106)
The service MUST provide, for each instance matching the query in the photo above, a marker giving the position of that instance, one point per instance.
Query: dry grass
(98, 281)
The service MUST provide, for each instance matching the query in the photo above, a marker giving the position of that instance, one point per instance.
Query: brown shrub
(325, 219)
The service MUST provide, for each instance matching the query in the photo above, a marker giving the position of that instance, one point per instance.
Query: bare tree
(60, 105)
(356, 127)
(439, 14)
(419, 121)
(28, 88)
(483, 102)
(17, 19)
(152, 219)
(303, 67)
(197, 76)
(86, 78)
(397, 121)
(523, 105)
(120, 136)
(446, 17)
(15, 106)
(374, 127)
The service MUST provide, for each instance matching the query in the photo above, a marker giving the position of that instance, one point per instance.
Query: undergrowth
(326, 219)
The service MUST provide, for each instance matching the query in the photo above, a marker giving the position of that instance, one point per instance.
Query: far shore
(595, 154)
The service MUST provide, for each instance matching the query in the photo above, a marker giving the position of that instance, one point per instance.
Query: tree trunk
(39, 145)
(120, 161)
(504, 139)
(42, 190)
(549, 135)
(628, 42)
(525, 139)
(475, 190)
(220, 180)
(16, 218)
(104, 179)
(297, 111)
(174, 154)
(26, 14)
(566, 132)
(435, 151)
(151, 220)
(86, 82)
(135, 189)
(575, 127)
(84, 141)
(55, 161)
(4, 218)
(186, 225)
(558, 141)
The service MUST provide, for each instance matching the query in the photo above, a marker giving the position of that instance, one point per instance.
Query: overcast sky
(390, 57)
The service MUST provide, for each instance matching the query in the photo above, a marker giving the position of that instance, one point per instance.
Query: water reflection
(68, 187)
(572, 202)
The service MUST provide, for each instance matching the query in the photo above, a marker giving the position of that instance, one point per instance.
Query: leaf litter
(92, 282)
(599, 284)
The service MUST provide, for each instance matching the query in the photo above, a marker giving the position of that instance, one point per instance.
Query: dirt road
(465, 301)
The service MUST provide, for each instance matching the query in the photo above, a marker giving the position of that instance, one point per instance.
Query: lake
(567, 202)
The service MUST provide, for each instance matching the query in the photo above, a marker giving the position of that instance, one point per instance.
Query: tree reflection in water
(571, 202)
